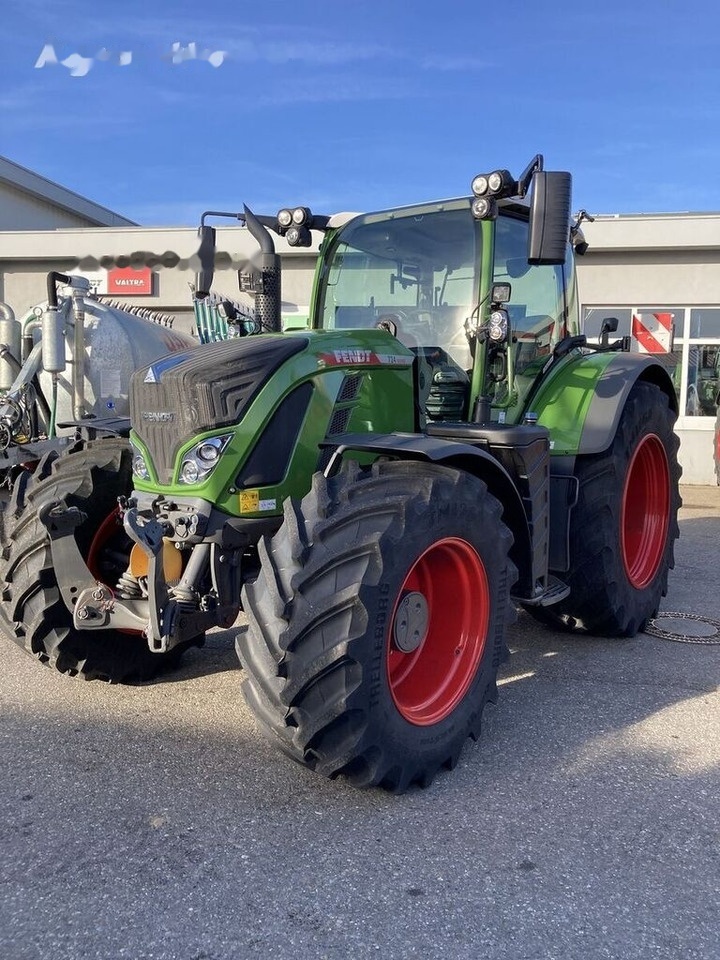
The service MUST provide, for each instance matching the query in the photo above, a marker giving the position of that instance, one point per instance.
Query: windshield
(416, 269)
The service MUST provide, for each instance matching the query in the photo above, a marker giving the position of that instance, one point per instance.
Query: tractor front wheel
(377, 622)
(90, 476)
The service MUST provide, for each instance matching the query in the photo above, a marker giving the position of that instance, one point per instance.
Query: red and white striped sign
(652, 332)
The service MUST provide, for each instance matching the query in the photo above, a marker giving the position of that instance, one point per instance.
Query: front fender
(582, 400)
(529, 551)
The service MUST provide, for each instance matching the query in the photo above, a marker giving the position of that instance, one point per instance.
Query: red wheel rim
(645, 511)
(429, 682)
(102, 537)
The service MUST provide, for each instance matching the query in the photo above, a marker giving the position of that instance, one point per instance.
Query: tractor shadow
(217, 656)
(539, 652)
(639, 696)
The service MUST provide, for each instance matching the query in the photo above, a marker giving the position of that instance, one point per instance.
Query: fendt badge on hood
(158, 416)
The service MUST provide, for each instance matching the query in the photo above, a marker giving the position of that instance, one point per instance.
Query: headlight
(484, 208)
(480, 185)
(199, 463)
(501, 182)
(498, 326)
(284, 218)
(189, 472)
(139, 465)
(209, 452)
(298, 236)
(495, 182)
(300, 216)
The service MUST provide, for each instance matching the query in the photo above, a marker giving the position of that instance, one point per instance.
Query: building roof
(79, 243)
(32, 183)
(653, 232)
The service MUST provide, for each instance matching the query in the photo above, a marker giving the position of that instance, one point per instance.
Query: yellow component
(171, 561)
(249, 501)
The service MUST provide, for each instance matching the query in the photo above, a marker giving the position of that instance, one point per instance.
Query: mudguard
(581, 401)
(525, 515)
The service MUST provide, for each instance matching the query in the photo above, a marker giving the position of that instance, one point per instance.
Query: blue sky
(363, 105)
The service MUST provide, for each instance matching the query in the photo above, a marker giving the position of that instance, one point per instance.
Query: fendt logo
(158, 416)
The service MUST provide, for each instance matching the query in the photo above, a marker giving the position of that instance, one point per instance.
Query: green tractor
(378, 492)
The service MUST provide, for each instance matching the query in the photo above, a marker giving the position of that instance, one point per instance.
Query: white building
(664, 264)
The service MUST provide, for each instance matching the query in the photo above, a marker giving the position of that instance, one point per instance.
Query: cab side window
(537, 306)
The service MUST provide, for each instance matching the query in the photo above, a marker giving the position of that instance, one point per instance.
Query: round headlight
(284, 218)
(209, 452)
(299, 216)
(498, 326)
(139, 467)
(293, 236)
(480, 185)
(481, 207)
(495, 182)
(189, 472)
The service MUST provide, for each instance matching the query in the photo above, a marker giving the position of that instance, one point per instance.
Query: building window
(705, 324)
(694, 362)
(703, 379)
(593, 317)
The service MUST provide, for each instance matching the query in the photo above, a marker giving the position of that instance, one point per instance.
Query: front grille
(204, 389)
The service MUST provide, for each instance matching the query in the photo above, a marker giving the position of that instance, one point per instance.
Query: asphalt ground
(155, 821)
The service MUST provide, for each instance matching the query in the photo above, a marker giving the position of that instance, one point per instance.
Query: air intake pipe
(268, 296)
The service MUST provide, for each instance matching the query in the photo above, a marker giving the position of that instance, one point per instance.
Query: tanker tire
(323, 674)
(615, 589)
(90, 476)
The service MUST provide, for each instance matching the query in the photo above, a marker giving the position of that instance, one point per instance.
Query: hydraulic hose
(53, 278)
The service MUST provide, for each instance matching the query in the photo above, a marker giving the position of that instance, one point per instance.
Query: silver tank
(116, 343)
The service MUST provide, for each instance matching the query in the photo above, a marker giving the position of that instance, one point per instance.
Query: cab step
(555, 591)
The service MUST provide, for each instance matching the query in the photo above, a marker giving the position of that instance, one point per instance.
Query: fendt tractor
(378, 492)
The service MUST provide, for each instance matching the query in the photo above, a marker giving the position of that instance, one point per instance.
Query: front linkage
(147, 598)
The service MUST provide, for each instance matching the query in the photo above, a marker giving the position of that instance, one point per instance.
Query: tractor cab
(463, 289)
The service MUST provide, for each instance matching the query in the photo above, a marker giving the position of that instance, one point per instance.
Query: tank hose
(53, 278)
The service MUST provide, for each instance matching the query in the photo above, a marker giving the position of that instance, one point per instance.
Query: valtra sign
(128, 282)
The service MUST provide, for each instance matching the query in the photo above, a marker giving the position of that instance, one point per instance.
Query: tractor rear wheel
(90, 476)
(624, 525)
(377, 622)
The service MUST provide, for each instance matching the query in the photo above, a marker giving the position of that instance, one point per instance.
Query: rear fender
(583, 399)
(581, 404)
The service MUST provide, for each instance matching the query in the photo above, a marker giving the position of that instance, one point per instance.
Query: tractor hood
(211, 386)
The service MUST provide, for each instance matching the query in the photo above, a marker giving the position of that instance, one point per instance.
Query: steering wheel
(407, 325)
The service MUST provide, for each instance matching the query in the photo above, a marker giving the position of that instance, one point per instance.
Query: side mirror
(608, 326)
(549, 218)
(206, 252)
